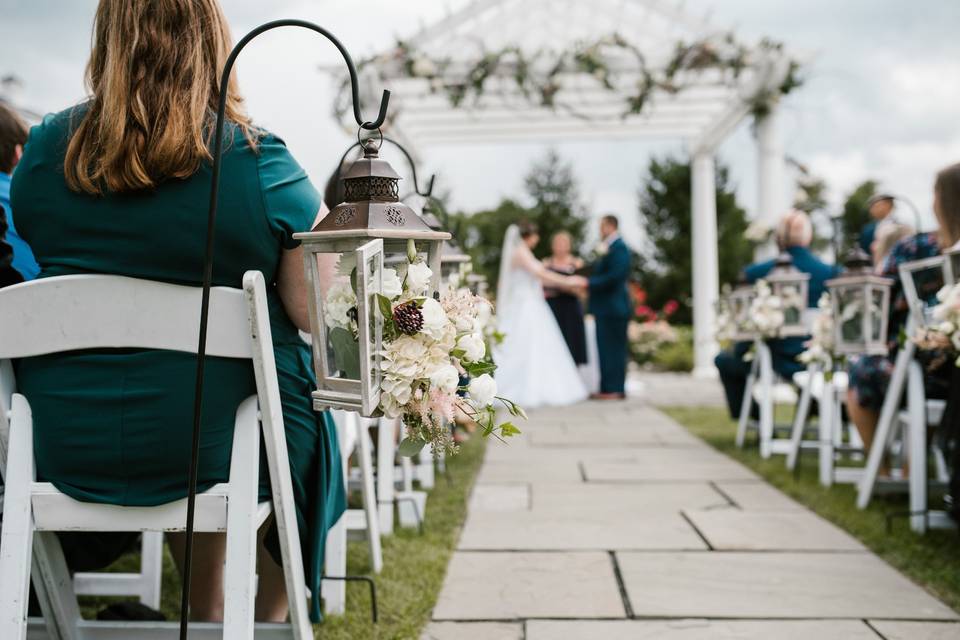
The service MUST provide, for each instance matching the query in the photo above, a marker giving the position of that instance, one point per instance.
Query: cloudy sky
(881, 99)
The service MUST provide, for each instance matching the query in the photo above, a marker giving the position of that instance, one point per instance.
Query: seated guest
(120, 184)
(13, 135)
(794, 235)
(886, 238)
(8, 275)
(880, 208)
(870, 375)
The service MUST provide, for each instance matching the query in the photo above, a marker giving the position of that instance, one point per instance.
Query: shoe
(608, 396)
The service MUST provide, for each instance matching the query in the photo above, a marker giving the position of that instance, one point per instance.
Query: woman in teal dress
(120, 185)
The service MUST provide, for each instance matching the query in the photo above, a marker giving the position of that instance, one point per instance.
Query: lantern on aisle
(739, 302)
(369, 229)
(452, 257)
(791, 286)
(860, 303)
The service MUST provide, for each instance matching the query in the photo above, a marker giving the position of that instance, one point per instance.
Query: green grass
(931, 560)
(414, 565)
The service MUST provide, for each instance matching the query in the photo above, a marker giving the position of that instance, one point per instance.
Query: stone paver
(757, 496)
(903, 630)
(473, 631)
(601, 508)
(508, 586)
(737, 530)
(699, 630)
(773, 585)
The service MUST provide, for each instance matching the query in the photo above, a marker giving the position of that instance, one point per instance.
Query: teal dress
(114, 426)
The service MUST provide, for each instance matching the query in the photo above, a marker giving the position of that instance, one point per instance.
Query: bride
(534, 365)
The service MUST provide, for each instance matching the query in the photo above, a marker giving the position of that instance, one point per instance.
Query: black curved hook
(406, 154)
(208, 265)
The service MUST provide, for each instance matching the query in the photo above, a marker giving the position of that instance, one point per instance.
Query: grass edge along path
(931, 560)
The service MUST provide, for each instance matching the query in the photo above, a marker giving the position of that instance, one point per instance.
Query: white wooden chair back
(67, 313)
(909, 273)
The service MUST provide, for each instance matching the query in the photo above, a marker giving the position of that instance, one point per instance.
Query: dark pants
(612, 348)
(734, 369)
(733, 374)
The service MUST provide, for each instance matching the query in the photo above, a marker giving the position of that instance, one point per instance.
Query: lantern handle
(403, 150)
(208, 264)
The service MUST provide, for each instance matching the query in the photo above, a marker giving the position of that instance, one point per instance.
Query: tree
(855, 215)
(552, 187)
(555, 206)
(665, 264)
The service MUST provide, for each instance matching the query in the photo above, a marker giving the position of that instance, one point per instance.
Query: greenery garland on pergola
(539, 76)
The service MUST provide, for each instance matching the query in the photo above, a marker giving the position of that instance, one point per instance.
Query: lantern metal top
(371, 207)
(858, 271)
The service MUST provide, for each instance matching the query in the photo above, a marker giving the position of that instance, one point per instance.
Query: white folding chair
(353, 437)
(145, 585)
(763, 388)
(91, 311)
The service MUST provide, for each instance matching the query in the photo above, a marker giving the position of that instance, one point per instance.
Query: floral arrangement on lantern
(429, 345)
(944, 334)
(766, 315)
(820, 347)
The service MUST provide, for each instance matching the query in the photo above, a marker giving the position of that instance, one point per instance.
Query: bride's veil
(510, 241)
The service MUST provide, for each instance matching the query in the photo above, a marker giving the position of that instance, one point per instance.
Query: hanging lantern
(739, 302)
(791, 286)
(369, 229)
(861, 305)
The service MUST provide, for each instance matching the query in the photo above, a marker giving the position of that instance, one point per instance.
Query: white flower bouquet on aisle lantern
(820, 347)
(766, 315)
(429, 346)
(944, 333)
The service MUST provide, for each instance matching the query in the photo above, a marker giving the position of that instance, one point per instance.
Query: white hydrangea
(473, 346)
(340, 300)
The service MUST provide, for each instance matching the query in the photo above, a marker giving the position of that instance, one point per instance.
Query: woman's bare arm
(525, 259)
(292, 280)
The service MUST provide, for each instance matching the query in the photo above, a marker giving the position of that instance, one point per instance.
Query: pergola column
(771, 169)
(704, 261)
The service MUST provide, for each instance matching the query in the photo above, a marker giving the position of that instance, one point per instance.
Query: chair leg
(386, 450)
(16, 536)
(151, 568)
(240, 572)
(766, 400)
(745, 405)
(827, 426)
(365, 457)
(54, 587)
(888, 414)
(335, 564)
(800, 420)
(917, 448)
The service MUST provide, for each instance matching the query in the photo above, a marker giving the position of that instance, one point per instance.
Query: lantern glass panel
(878, 313)
(740, 302)
(850, 317)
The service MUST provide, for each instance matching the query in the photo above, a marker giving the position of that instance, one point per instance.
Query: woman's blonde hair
(888, 234)
(153, 75)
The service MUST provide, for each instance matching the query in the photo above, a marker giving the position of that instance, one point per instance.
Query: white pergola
(702, 114)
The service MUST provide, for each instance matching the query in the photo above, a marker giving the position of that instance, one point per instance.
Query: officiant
(794, 235)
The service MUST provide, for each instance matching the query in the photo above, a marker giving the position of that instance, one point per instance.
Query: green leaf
(477, 369)
(386, 307)
(346, 352)
(411, 447)
(508, 429)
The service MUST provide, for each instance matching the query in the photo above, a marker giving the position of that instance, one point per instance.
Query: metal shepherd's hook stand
(208, 262)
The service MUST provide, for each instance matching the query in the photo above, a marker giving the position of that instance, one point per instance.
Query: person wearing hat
(880, 208)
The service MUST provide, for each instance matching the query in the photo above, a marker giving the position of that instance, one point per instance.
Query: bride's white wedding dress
(534, 366)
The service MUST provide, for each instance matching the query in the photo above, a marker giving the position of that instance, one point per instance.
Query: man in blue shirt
(13, 135)
(794, 235)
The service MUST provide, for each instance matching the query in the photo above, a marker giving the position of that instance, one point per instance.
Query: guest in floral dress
(870, 375)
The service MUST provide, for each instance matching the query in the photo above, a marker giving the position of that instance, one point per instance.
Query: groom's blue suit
(610, 305)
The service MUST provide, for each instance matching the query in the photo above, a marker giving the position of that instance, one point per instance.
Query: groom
(610, 306)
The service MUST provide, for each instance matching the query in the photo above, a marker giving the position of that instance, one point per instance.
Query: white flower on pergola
(700, 104)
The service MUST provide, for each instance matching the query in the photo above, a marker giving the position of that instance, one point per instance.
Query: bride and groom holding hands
(537, 361)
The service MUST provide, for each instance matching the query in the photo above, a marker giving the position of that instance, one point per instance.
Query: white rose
(473, 346)
(446, 378)
(434, 317)
(418, 278)
(483, 389)
(392, 286)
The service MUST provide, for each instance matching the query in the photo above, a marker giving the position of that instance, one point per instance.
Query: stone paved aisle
(609, 521)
